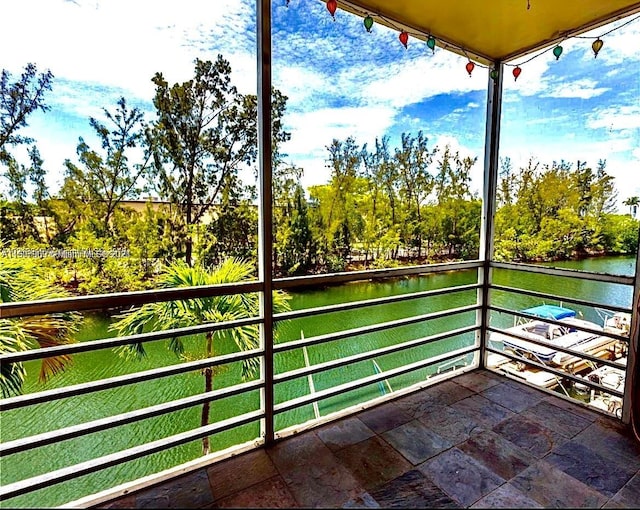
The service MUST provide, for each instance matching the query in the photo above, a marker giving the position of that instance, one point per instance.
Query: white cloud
(615, 118)
(408, 82)
(582, 89)
(118, 43)
(313, 131)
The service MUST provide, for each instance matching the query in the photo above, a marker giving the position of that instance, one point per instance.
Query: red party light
(404, 38)
(332, 5)
(516, 72)
(470, 65)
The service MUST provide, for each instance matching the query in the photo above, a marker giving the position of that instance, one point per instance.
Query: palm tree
(192, 312)
(20, 282)
(633, 203)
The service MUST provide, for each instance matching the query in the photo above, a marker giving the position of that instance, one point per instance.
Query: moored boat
(566, 335)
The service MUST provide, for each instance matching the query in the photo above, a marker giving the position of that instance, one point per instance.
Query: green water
(97, 365)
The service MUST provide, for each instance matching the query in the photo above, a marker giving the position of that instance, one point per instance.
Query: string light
(332, 5)
(516, 72)
(557, 51)
(368, 23)
(469, 67)
(431, 43)
(596, 46)
(404, 38)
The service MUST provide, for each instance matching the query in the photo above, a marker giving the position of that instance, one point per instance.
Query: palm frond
(20, 281)
(194, 312)
(12, 375)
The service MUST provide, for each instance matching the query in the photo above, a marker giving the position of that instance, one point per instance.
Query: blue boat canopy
(550, 312)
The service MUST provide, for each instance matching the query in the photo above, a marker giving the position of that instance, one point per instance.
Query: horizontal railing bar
(105, 343)
(553, 371)
(564, 299)
(341, 307)
(581, 355)
(569, 273)
(68, 473)
(329, 337)
(363, 356)
(366, 381)
(123, 299)
(369, 274)
(124, 380)
(83, 429)
(559, 323)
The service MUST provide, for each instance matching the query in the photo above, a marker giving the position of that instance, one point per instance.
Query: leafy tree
(412, 161)
(632, 203)
(192, 312)
(341, 218)
(18, 100)
(293, 243)
(103, 181)
(459, 223)
(205, 132)
(382, 175)
(233, 230)
(17, 175)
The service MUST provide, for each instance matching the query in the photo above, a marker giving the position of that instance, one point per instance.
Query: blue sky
(341, 81)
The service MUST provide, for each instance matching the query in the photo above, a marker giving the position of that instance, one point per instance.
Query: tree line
(383, 205)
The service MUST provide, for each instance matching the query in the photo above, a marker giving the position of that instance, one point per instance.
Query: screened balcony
(436, 370)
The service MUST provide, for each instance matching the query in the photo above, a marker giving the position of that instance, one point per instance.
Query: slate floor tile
(514, 399)
(506, 496)
(420, 404)
(373, 462)
(554, 418)
(343, 433)
(629, 495)
(529, 435)
(271, 493)
(331, 488)
(412, 490)
(585, 465)
(587, 414)
(452, 424)
(552, 488)
(416, 442)
(497, 454)
(448, 392)
(613, 442)
(532, 391)
(384, 417)
(476, 381)
(255, 466)
(462, 477)
(189, 491)
(301, 456)
(483, 410)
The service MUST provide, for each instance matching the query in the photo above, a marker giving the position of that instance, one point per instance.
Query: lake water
(97, 365)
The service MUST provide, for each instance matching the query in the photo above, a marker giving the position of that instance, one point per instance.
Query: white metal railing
(56, 437)
(576, 355)
(31, 443)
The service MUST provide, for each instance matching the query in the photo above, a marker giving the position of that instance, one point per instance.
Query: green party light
(431, 43)
(368, 23)
(493, 74)
(557, 51)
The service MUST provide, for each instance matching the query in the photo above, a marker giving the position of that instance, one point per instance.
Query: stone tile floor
(476, 441)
